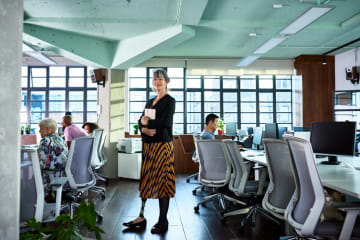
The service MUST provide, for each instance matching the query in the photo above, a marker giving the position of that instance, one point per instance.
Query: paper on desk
(151, 113)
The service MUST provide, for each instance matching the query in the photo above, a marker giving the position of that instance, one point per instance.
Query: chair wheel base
(187, 180)
(196, 178)
(194, 192)
(99, 218)
(103, 197)
(196, 209)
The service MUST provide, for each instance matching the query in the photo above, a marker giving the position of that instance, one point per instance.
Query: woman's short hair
(161, 73)
(91, 125)
(50, 123)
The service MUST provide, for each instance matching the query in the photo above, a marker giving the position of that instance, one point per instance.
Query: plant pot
(220, 132)
(136, 132)
(27, 131)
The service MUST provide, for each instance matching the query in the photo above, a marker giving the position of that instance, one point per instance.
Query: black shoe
(160, 228)
(133, 224)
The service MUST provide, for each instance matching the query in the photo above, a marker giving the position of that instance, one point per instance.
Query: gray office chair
(32, 203)
(78, 168)
(214, 171)
(306, 205)
(195, 160)
(96, 160)
(278, 194)
(240, 183)
(103, 161)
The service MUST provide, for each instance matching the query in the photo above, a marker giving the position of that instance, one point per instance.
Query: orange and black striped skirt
(157, 178)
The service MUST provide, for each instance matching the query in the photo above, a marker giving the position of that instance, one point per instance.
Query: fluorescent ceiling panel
(37, 55)
(270, 44)
(247, 61)
(305, 19)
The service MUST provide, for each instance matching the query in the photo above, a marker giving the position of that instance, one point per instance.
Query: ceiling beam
(83, 49)
(190, 11)
(135, 50)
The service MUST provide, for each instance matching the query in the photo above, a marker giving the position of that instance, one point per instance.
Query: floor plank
(122, 204)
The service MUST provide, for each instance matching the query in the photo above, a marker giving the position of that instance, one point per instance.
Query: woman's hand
(149, 132)
(145, 120)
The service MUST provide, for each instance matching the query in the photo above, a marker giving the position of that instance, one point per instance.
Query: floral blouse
(53, 152)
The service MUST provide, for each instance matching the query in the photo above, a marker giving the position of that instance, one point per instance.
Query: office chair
(103, 161)
(78, 169)
(96, 159)
(282, 185)
(32, 203)
(214, 171)
(195, 160)
(307, 203)
(278, 194)
(240, 184)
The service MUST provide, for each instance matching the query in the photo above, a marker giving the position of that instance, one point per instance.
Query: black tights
(164, 206)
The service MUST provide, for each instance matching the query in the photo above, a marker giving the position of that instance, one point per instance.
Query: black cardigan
(165, 109)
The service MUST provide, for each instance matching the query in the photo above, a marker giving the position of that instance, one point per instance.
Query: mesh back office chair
(214, 170)
(32, 203)
(240, 183)
(307, 203)
(195, 160)
(278, 194)
(96, 160)
(103, 160)
(78, 168)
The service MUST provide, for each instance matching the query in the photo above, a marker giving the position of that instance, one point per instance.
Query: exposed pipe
(344, 45)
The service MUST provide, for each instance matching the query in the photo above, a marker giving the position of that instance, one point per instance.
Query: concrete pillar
(112, 101)
(11, 19)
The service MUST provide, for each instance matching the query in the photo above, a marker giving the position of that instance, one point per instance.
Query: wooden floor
(122, 204)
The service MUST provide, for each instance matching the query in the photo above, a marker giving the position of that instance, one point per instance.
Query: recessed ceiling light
(277, 5)
(252, 34)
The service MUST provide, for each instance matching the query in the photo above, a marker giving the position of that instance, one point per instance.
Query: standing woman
(157, 172)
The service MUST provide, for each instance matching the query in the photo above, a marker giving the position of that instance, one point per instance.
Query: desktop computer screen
(337, 138)
(231, 129)
(271, 130)
(282, 130)
(257, 140)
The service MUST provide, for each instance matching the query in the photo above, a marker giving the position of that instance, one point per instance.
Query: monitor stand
(332, 160)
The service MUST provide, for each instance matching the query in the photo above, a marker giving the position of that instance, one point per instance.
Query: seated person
(52, 150)
(211, 122)
(71, 131)
(89, 127)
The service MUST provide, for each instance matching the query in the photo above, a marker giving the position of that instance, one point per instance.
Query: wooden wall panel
(318, 85)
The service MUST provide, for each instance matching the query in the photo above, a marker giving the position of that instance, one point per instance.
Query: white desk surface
(337, 177)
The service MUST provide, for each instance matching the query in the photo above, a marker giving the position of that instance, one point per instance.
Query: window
(248, 100)
(49, 92)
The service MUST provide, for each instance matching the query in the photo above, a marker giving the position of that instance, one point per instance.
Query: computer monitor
(60, 131)
(282, 130)
(231, 128)
(301, 129)
(257, 137)
(333, 138)
(250, 130)
(271, 130)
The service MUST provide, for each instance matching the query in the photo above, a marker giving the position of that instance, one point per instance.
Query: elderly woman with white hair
(52, 150)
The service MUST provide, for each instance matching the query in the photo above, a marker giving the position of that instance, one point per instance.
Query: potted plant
(65, 227)
(136, 128)
(220, 126)
(27, 129)
(22, 130)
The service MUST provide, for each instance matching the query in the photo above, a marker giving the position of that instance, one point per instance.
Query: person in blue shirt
(211, 122)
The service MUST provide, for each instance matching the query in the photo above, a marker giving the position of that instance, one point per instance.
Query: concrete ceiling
(123, 33)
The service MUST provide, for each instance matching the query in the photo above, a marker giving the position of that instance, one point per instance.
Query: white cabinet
(129, 165)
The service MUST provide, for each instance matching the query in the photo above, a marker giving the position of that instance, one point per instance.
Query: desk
(336, 177)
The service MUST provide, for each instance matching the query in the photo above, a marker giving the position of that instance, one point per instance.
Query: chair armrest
(259, 167)
(59, 182)
(344, 206)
